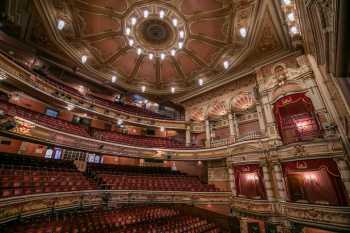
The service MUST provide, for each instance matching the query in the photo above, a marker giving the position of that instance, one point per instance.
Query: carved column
(271, 127)
(243, 225)
(261, 119)
(267, 182)
(231, 176)
(235, 125)
(344, 171)
(280, 186)
(207, 133)
(188, 135)
(232, 127)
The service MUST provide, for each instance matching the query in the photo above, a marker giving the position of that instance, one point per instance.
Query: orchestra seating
(68, 127)
(24, 175)
(138, 140)
(145, 219)
(122, 177)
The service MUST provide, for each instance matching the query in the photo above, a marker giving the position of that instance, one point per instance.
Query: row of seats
(59, 124)
(128, 180)
(128, 108)
(30, 175)
(145, 219)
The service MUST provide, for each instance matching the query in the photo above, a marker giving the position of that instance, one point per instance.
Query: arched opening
(296, 119)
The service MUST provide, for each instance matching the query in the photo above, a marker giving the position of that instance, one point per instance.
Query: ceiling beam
(116, 55)
(216, 43)
(97, 37)
(84, 6)
(209, 15)
(136, 68)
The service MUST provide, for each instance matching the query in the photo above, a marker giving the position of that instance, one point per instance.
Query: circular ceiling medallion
(155, 30)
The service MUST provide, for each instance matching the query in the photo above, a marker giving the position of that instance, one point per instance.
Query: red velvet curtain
(295, 118)
(249, 181)
(315, 181)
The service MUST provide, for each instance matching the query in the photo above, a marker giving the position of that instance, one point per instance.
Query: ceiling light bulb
(287, 2)
(172, 89)
(131, 42)
(139, 51)
(133, 20)
(291, 17)
(174, 22)
(200, 82)
(226, 64)
(83, 59)
(181, 44)
(161, 14)
(294, 30)
(127, 31)
(145, 13)
(150, 56)
(114, 79)
(173, 52)
(162, 56)
(182, 34)
(60, 24)
(243, 32)
(143, 88)
(162, 129)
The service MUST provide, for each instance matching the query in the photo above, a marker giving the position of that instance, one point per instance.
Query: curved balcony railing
(232, 140)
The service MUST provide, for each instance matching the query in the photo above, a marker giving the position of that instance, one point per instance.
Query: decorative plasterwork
(214, 35)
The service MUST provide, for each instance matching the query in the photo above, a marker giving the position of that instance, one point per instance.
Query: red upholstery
(126, 220)
(112, 178)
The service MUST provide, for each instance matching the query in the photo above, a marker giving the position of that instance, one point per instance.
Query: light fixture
(120, 122)
(291, 17)
(162, 129)
(60, 24)
(131, 42)
(182, 34)
(286, 2)
(70, 107)
(226, 65)
(200, 82)
(150, 56)
(181, 44)
(114, 79)
(172, 89)
(161, 14)
(143, 88)
(173, 52)
(243, 32)
(145, 13)
(83, 59)
(162, 56)
(139, 51)
(133, 20)
(127, 31)
(294, 30)
(174, 21)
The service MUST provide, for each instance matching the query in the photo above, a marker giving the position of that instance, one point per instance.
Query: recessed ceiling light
(172, 89)
(174, 22)
(145, 13)
(131, 42)
(291, 17)
(294, 30)
(161, 14)
(243, 32)
(182, 34)
(139, 51)
(162, 56)
(226, 65)
(143, 88)
(173, 52)
(200, 82)
(127, 31)
(114, 79)
(133, 20)
(150, 56)
(60, 24)
(83, 59)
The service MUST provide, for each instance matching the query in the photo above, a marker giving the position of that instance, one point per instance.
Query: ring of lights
(155, 30)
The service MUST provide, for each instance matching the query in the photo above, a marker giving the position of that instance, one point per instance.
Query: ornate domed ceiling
(162, 47)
